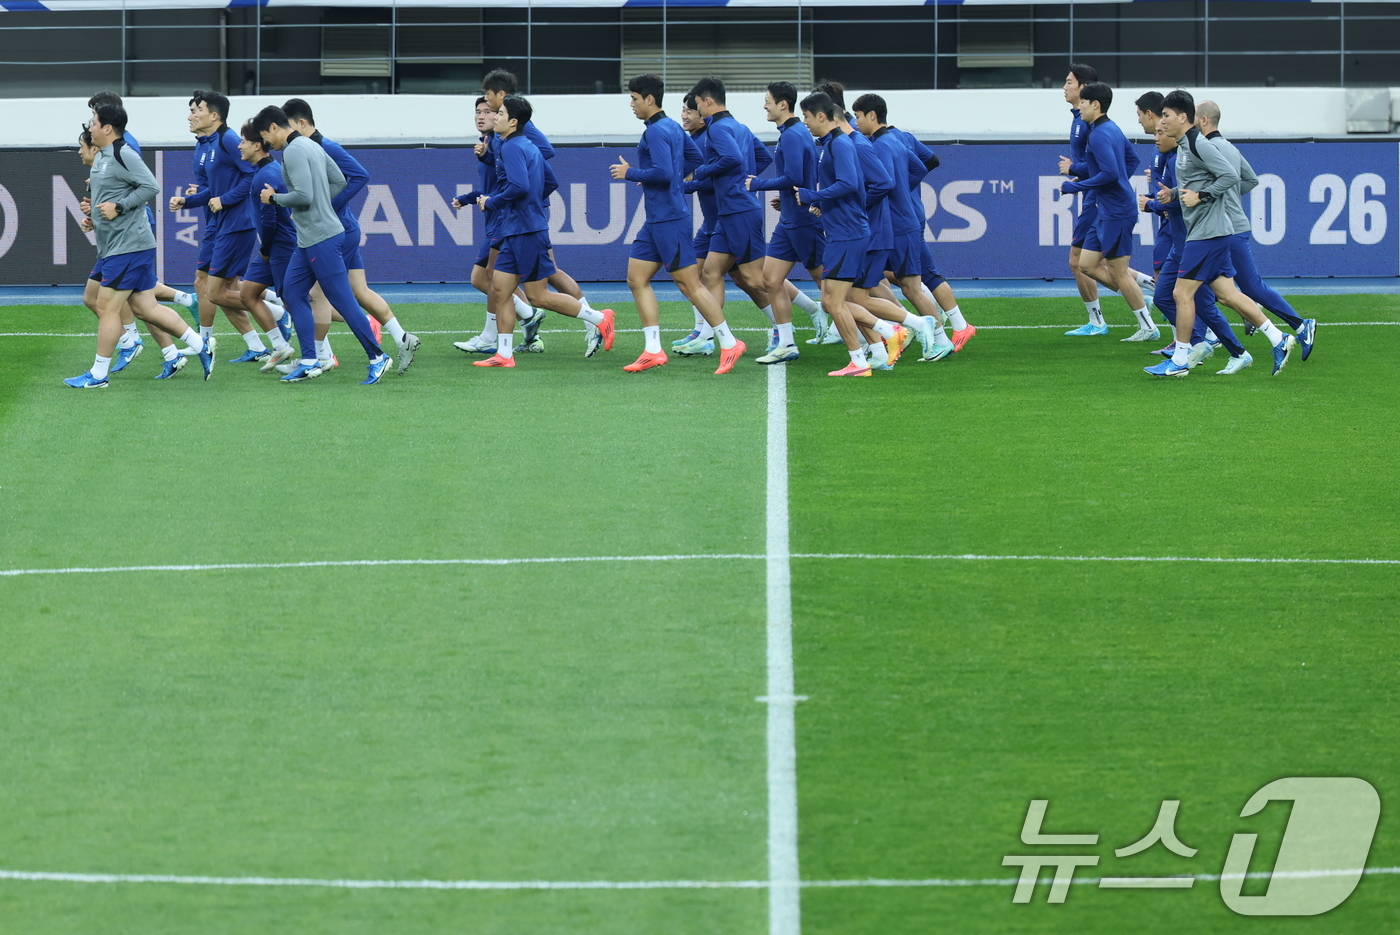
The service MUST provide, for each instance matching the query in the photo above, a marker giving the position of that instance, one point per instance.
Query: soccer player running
(1241, 253)
(524, 256)
(665, 156)
(1203, 178)
(1207, 313)
(277, 238)
(798, 236)
(313, 180)
(126, 248)
(1074, 165)
(1149, 115)
(228, 193)
(1110, 162)
(303, 121)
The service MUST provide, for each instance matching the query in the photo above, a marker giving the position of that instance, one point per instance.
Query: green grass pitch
(597, 721)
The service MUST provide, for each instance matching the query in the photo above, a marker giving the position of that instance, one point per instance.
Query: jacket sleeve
(513, 184)
(298, 178)
(335, 179)
(878, 183)
(551, 181)
(1248, 180)
(245, 170)
(356, 178)
(661, 153)
(693, 158)
(725, 156)
(762, 155)
(536, 136)
(792, 154)
(1215, 162)
(847, 169)
(917, 169)
(143, 182)
(1100, 166)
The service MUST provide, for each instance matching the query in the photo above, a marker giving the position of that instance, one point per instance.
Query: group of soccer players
(281, 246)
(1202, 247)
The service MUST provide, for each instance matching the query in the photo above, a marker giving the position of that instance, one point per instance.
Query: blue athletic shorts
(526, 256)
(1161, 247)
(907, 257)
(701, 241)
(1114, 238)
(798, 245)
(740, 236)
(134, 271)
(931, 276)
(350, 249)
(666, 242)
(269, 272)
(206, 246)
(876, 262)
(233, 250)
(844, 260)
(96, 274)
(1206, 260)
(1084, 224)
(483, 253)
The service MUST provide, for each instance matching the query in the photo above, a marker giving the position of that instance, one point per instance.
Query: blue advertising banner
(993, 211)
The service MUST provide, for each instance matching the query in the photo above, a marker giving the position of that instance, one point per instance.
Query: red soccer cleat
(851, 370)
(728, 358)
(495, 360)
(895, 346)
(962, 337)
(647, 361)
(608, 328)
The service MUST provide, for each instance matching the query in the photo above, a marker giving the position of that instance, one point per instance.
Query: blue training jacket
(356, 178)
(663, 162)
(276, 231)
(229, 179)
(902, 165)
(795, 159)
(841, 191)
(1111, 160)
(734, 156)
(878, 186)
(520, 200)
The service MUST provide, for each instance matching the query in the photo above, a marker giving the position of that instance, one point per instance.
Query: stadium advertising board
(993, 211)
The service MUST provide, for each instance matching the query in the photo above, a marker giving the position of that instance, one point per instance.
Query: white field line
(28, 876)
(579, 331)
(784, 894)
(723, 556)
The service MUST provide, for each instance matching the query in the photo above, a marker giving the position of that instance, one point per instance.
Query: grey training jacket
(312, 179)
(121, 177)
(1201, 167)
(1248, 182)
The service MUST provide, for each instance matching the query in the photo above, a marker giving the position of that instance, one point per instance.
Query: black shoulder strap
(117, 146)
(1191, 135)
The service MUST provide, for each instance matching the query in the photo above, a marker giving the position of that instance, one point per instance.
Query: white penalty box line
(698, 557)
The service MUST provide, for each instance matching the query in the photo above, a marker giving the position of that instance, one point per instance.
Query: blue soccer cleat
(772, 343)
(376, 369)
(206, 356)
(302, 372)
(1167, 369)
(125, 355)
(1088, 330)
(1281, 353)
(284, 325)
(171, 367)
(529, 330)
(697, 348)
(251, 355)
(687, 339)
(85, 381)
(1307, 333)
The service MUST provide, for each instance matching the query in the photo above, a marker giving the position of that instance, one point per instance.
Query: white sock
(939, 335)
(505, 345)
(584, 302)
(1142, 278)
(206, 333)
(1179, 353)
(393, 327)
(878, 354)
(523, 311)
(912, 320)
(275, 337)
(323, 349)
(195, 342)
(253, 341)
(883, 328)
(706, 332)
(858, 357)
(129, 336)
(767, 310)
(587, 314)
(1144, 319)
(170, 352)
(652, 335)
(805, 302)
(923, 286)
(187, 300)
(724, 336)
(269, 296)
(785, 338)
(100, 366)
(700, 323)
(488, 331)
(955, 318)
(1271, 332)
(277, 308)
(1212, 337)
(1095, 316)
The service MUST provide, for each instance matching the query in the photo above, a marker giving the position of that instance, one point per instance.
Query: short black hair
(709, 86)
(872, 103)
(648, 85)
(1085, 74)
(269, 116)
(86, 136)
(111, 115)
(1097, 91)
(298, 109)
(784, 91)
(819, 102)
(1182, 102)
(479, 102)
(517, 108)
(249, 132)
(214, 101)
(690, 103)
(1150, 103)
(498, 79)
(104, 97)
(834, 90)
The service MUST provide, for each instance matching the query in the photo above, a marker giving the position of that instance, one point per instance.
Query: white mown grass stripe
(1098, 558)
(32, 876)
(784, 894)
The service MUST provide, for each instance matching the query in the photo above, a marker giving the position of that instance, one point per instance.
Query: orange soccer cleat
(962, 337)
(895, 346)
(851, 370)
(728, 358)
(495, 360)
(608, 328)
(647, 361)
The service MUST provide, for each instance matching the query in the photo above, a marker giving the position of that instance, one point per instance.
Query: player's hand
(481, 201)
(1142, 202)
(689, 178)
(1189, 198)
(192, 189)
(86, 225)
(108, 210)
(176, 202)
(266, 194)
(748, 183)
(480, 148)
(1064, 165)
(216, 205)
(797, 192)
(1164, 194)
(457, 203)
(777, 204)
(619, 171)
(85, 206)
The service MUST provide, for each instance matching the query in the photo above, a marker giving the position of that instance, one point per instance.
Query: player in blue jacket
(663, 161)
(524, 254)
(1110, 163)
(277, 241)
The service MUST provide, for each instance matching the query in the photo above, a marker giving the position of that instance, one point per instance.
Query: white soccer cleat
(1144, 334)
